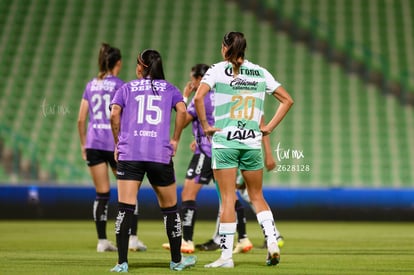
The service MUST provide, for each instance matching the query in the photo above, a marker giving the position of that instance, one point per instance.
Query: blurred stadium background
(348, 64)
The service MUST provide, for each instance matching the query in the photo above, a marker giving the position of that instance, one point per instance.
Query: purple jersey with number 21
(99, 94)
(145, 119)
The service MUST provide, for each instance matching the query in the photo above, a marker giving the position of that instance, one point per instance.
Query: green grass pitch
(69, 247)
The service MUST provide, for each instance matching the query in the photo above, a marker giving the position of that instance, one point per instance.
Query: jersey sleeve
(119, 97)
(177, 96)
(271, 83)
(191, 109)
(209, 77)
(119, 84)
(85, 92)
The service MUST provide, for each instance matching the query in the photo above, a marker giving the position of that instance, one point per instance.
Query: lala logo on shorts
(242, 133)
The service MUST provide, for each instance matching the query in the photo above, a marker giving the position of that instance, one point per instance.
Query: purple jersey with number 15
(99, 94)
(145, 120)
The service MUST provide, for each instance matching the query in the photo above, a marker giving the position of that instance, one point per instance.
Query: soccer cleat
(186, 262)
(199, 245)
(166, 246)
(210, 245)
(105, 245)
(243, 246)
(221, 263)
(280, 241)
(120, 267)
(186, 246)
(135, 244)
(273, 254)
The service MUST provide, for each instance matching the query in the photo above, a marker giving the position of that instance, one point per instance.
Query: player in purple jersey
(97, 142)
(199, 171)
(140, 120)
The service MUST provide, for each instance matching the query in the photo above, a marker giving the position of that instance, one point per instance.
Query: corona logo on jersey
(243, 71)
(241, 133)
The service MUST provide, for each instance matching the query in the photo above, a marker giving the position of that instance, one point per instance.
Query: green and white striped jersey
(239, 103)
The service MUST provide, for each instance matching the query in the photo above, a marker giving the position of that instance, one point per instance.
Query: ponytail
(199, 70)
(152, 63)
(102, 60)
(108, 57)
(236, 45)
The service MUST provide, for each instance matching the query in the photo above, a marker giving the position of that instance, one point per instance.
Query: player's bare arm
(83, 115)
(285, 103)
(116, 121)
(180, 122)
(202, 91)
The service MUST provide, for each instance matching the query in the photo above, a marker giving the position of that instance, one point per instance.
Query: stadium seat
(350, 134)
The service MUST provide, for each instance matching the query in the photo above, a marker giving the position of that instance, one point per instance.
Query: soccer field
(69, 247)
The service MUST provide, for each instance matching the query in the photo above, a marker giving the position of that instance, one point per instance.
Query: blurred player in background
(140, 121)
(199, 172)
(96, 140)
(134, 243)
(240, 87)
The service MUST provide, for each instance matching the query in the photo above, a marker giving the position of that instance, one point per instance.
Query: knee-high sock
(241, 221)
(134, 222)
(266, 221)
(122, 227)
(172, 223)
(100, 213)
(189, 212)
(216, 235)
(227, 231)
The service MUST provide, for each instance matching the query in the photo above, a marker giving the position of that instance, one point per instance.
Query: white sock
(227, 232)
(216, 235)
(216, 239)
(266, 221)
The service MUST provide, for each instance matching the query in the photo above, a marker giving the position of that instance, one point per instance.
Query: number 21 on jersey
(98, 100)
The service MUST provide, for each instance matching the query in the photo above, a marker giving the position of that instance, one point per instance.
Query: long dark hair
(199, 70)
(108, 57)
(236, 45)
(152, 63)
